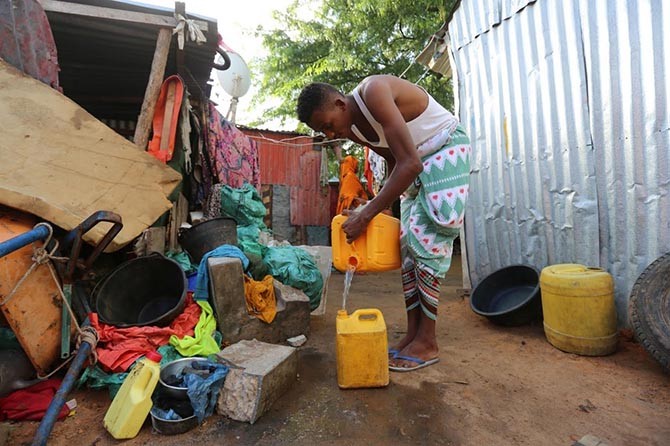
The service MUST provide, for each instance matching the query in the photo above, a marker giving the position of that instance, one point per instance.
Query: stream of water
(348, 277)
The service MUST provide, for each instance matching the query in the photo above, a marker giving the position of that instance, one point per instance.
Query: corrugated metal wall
(291, 160)
(566, 103)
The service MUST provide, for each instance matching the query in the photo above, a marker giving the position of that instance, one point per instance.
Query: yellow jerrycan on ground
(132, 403)
(362, 349)
(578, 308)
(376, 250)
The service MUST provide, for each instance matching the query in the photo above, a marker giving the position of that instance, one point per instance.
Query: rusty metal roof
(105, 64)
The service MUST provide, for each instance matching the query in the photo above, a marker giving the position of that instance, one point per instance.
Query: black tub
(147, 290)
(509, 296)
(199, 239)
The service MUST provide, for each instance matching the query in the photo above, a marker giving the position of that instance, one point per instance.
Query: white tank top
(433, 120)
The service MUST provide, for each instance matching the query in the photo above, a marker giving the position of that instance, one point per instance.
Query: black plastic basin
(147, 290)
(509, 296)
(199, 239)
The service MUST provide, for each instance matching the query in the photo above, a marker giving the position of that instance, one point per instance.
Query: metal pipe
(39, 232)
(51, 415)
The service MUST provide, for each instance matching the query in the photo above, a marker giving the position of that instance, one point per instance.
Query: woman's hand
(355, 224)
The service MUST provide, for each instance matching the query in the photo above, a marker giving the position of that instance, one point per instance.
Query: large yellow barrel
(578, 308)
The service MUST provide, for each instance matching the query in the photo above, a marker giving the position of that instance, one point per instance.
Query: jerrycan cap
(154, 356)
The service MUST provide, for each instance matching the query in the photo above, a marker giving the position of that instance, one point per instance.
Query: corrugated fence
(566, 103)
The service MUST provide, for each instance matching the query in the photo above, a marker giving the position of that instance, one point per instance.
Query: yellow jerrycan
(132, 403)
(376, 250)
(362, 349)
(578, 308)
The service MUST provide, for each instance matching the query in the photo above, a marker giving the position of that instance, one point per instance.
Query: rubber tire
(649, 309)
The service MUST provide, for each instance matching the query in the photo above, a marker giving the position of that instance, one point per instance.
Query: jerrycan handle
(368, 315)
(148, 388)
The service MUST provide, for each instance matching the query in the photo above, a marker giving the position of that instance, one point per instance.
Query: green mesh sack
(244, 205)
(295, 267)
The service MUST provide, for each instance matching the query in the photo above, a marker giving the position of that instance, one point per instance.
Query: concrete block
(235, 324)
(260, 374)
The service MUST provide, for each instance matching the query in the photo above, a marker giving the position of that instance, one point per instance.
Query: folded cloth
(260, 298)
(202, 343)
(31, 403)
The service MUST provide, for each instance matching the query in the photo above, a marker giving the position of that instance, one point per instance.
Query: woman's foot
(419, 350)
(413, 320)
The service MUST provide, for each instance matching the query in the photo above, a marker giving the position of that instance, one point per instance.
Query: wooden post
(143, 127)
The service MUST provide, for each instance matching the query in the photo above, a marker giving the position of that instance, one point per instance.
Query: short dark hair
(312, 97)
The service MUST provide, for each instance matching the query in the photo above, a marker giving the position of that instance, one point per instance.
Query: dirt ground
(493, 386)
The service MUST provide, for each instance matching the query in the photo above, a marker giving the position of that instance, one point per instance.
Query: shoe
(420, 363)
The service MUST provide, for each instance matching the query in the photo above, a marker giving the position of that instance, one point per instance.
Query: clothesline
(284, 143)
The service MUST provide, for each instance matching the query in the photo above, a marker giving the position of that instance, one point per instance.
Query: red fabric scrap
(31, 403)
(118, 348)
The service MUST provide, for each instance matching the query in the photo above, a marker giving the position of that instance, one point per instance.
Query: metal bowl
(175, 368)
(173, 427)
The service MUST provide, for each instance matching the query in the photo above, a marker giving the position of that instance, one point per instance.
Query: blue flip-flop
(420, 363)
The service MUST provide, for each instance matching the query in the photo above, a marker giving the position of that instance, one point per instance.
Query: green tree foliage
(343, 41)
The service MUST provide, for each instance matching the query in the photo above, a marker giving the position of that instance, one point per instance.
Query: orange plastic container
(377, 249)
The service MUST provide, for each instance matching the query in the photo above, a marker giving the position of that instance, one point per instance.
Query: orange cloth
(350, 185)
(260, 297)
(166, 118)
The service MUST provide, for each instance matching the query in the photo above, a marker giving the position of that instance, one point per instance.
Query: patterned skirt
(432, 208)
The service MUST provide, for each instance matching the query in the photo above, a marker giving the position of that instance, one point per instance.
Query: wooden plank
(60, 163)
(178, 215)
(115, 14)
(153, 88)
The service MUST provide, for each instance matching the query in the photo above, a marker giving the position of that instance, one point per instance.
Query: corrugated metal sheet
(566, 103)
(310, 203)
(290, 159)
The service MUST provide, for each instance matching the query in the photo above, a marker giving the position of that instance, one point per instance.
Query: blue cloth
(202, 284)
(203, 391)
(169, 414)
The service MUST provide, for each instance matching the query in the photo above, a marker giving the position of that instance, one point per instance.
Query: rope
(39, 257)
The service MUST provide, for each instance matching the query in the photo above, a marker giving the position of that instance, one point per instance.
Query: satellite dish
(235, 81)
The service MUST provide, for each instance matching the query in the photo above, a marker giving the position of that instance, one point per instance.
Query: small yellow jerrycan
(376, 250)
(132, 403)
(362, 349)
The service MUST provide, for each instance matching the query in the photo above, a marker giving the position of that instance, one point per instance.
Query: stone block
(260, 373)
(233, 320)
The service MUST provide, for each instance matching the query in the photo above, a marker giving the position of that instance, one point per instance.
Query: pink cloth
(233, 156)
(118, 348)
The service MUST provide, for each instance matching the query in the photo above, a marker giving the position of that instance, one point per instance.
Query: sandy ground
(493, 386)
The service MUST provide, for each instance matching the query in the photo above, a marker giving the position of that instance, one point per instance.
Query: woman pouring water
(428, 156)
